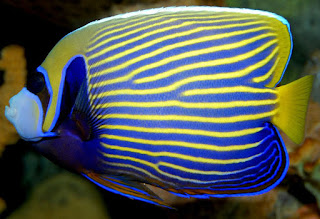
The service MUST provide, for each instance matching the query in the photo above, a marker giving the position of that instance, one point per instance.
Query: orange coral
(13, 63)
(313, 121)
(308, 212)
(305, 160)
(308, 154)
(3, 205)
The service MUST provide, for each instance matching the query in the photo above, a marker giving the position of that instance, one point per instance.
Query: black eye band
(36, 83)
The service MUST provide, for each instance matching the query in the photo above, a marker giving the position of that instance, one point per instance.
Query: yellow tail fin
(293, 104)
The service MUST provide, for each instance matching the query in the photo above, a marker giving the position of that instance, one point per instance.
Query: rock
(63, 196)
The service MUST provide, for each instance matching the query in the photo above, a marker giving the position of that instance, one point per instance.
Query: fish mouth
(10, 112)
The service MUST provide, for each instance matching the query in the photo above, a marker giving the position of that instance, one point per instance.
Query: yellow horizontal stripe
(183, 144)
(145, 172)
(176, 85)
(108, 25)
(124, 35)
(184, 131)
(199, 105)
(231, 119)
(121, 24)
(167, 37)
(125, 165)
(225, 90)
(268, 74)
(161, 172)
(195, 171)
(176, 167)
(197, 53)
(211, 63)
(139, 21)
(154, 166)
(180, 156)
(144, 35)
(167, 48)
(164, 49)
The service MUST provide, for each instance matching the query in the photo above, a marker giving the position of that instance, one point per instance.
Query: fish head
(26, 109)
(64, 144)
(49, 95)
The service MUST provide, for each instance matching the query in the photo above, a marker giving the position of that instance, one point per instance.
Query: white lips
(10, 113)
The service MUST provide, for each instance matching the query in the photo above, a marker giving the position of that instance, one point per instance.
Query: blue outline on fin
(123, 194)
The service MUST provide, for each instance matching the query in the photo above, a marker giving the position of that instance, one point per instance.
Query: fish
(186, 99)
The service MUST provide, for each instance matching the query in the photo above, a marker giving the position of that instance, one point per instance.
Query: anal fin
(130, 189)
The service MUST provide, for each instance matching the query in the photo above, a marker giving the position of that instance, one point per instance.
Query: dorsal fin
(285, 49)
(284, 46)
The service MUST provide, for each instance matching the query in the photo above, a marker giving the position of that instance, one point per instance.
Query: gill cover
(55, 68)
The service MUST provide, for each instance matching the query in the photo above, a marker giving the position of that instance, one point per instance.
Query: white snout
(26, 114)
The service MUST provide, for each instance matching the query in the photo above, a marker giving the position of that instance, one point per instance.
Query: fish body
(182, 98)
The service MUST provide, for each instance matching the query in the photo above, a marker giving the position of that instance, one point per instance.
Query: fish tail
(293, 104)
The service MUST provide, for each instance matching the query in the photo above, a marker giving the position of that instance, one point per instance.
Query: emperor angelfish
(181, 98)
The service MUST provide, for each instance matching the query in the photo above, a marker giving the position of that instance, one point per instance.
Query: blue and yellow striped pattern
(184, 99)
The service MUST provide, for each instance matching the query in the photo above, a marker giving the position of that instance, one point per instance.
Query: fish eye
(36, 82)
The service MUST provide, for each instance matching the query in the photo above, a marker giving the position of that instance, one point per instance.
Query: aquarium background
(33, 187)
